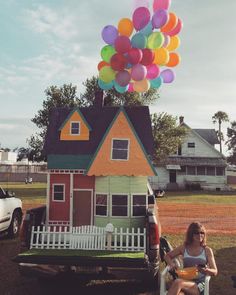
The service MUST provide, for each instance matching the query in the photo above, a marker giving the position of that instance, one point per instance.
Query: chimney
(181, 120)
(99, 100)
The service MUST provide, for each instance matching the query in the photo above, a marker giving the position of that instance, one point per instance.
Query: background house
(196, 165)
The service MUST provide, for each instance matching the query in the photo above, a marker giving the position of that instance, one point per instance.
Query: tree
(66, 96)
(231, 142)
(168, 135)
(220, 117)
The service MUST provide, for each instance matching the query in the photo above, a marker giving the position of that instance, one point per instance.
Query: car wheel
(14, 228)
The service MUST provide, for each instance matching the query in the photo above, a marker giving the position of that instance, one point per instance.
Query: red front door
(82, 207)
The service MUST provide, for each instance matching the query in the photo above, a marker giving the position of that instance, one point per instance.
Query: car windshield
(2, 193)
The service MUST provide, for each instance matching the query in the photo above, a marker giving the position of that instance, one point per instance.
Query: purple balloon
(109, 34)
(160, 18)
(138, 72)
(168, 76)
(141, 18)
(123, 78)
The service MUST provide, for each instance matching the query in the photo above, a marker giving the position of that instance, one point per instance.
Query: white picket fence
(88, 238)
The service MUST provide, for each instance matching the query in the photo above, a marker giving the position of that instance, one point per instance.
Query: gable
(81, 129)
(137, 163)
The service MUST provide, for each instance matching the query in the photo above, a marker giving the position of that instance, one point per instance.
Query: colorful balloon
(118, 62)
(174, 43)
(106, 74)
(134, 56)
(160, 18)
(168, 76)
(138, 72)
(102, 64)
(107, 52)
(174, 60)
(147, 30)
(125, 27)
(141, 18)
(119, 88)
(161, 4)
(109, 34)
(141, 86)
(161, 56)
(176, 29)
(122, 44)
(155, 40)
(105, 86)
(156, 83)
(148, 57)
(139, 41)
(171, 24)
(123, 78)
(153, 71)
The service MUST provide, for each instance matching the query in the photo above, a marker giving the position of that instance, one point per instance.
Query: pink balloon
(161, 4)
(118, 62)
(131, 87)
(153, 71)
(148, 57)
(138, 72)
(176, 29)
(141, 18)
(122, 44)
(134, 56)
(123, 78)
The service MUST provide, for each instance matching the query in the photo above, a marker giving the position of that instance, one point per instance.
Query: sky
(55, 42)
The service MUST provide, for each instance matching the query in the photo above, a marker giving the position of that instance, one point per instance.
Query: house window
(58, 192)
(139, 205)
(120, 149)
(191, 170)
(183, 169)
(191, 144)
(119, 205)
(101, 205)
(220, 171)
(201, 170)
(75, 128)
(211, 171)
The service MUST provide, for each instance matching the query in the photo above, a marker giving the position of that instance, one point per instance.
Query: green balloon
(155, 40)
(107, 52)
(107, 74)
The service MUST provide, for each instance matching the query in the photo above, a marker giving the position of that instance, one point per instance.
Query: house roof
(195, 161)
(99, 120)
(209, 135)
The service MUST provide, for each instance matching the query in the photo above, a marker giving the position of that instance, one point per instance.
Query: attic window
(120, 149)
(191, 144)
(75, 128)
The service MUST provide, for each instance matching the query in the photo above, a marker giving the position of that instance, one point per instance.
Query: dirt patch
(218, 219)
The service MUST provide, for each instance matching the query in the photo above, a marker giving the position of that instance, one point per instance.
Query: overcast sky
(52, 42)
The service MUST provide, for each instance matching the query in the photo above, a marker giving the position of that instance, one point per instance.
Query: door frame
(72, 203)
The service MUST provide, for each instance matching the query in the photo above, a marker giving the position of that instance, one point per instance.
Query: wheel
(14, 227)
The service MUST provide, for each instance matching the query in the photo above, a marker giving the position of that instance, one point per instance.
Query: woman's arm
(211, 268)
(172, 254)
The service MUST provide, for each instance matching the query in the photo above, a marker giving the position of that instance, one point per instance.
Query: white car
(10, 213)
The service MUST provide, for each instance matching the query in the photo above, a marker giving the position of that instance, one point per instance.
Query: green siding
(123, 185)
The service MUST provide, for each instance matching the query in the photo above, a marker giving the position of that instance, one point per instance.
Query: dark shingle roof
(99, 119)
(194, 161)
(209, 135)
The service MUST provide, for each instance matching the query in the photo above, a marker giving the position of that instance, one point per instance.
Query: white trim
(128, 149)
(98, 193)
(131, 206)
(128, 205)
(71, 197)
(89, 190)
(75, 134)
(67, 171)
(48, 198)
(53, 185)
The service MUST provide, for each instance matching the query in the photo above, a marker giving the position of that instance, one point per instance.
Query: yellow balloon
(174, 43)
(106, 74)
(161, 56)
(125, 27)
(141, 86)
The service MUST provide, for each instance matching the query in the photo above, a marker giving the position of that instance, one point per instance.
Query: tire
(14, 227)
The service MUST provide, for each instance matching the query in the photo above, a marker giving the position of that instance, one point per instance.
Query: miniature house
(99, 160)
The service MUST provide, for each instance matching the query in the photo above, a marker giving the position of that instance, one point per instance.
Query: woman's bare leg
(180, 287)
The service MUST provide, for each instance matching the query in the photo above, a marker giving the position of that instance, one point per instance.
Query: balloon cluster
(136, 50)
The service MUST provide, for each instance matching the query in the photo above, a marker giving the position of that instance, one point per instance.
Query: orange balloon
(161, 56)
(171, 24)
(102, 64)
(125, 27)
(141, 86)
(174, 60)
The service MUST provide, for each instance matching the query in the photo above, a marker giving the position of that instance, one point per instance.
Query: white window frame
(138, 194)
(128, 206)
(53, 186)
(95, 204)
(75, 134)
(128, 149)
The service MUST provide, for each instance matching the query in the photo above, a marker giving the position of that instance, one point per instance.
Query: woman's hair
(195, 227)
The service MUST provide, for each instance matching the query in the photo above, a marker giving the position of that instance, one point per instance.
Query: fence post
(109, 230)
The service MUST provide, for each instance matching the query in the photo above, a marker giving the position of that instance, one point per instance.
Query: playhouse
(99, 160)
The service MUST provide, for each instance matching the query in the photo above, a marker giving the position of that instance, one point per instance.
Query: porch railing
(88, 238)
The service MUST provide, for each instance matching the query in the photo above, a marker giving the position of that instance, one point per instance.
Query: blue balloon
(105, 86)
(119, 88)
(139, 40)
(147, 30)
(156, 83)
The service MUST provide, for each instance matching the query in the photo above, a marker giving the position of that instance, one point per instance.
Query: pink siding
(60, 211)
